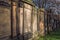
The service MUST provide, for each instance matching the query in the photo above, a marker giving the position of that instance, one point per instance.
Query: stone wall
(5, 26)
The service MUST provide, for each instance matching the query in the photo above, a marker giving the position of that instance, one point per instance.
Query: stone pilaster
(41, 24)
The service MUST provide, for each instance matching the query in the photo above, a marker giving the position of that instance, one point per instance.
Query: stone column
(41, 24)
(13, 19)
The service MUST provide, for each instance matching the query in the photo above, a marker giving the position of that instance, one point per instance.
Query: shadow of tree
(26, 36)
(55, 35)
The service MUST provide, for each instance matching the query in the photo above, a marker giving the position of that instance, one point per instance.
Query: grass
(52, 36)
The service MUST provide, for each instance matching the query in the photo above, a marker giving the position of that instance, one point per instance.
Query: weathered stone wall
(28, 21)
(23, 18)
(5, 22)
(5, 26)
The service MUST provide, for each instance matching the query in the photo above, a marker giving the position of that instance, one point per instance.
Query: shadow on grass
(52, 36)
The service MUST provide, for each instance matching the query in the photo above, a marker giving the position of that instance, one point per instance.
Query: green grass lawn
(52, 36)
